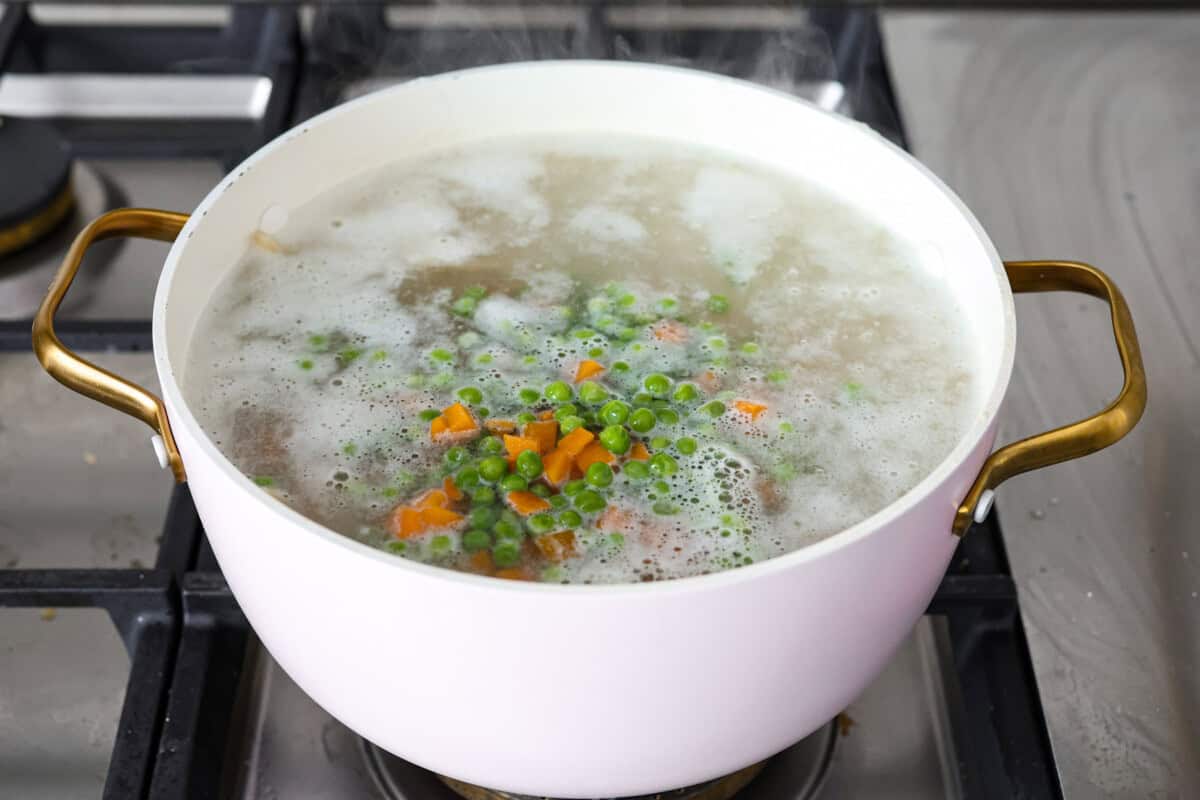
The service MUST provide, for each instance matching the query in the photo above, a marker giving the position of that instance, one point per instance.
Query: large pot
(586, 691)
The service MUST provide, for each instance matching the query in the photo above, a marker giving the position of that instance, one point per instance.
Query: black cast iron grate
(185, 634)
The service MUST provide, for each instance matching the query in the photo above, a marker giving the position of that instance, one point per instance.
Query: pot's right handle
(78, 373)
(1079, 438)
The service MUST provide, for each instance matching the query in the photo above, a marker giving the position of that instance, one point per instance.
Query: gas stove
(129, 670)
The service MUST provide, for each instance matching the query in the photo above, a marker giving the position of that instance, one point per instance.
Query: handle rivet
(160, 450)
(984, 505)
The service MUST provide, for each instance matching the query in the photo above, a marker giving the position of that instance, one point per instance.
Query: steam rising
(828, 57)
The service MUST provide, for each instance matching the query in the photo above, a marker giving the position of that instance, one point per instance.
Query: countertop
(1077, 136)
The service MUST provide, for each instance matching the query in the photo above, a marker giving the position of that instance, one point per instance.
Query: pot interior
(549, 98)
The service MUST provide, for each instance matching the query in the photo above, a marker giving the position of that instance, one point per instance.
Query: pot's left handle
(80, 374)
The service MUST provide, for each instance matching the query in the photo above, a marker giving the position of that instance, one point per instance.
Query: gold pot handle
(80, 374)
(1082, 437)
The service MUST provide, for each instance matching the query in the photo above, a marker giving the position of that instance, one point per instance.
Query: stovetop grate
(187, 639)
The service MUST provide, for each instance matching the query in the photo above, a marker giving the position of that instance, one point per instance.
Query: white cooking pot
(586, 691)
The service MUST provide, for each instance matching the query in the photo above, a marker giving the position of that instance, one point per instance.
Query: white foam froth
(312, 367)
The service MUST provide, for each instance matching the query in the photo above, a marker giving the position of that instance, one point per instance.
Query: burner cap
(35, 194)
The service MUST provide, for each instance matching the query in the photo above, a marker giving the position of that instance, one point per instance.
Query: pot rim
(182, 417)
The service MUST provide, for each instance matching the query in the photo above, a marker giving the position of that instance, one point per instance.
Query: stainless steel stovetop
(80, 487)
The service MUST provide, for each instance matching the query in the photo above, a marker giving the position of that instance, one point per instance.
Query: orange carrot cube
(575, 441)
(586, 369)
(591, 454)
(526, 503)
(544, 433)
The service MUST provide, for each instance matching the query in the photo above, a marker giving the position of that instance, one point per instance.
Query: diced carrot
(481, 561)
(515, 445)
(575, 441)
(557, 546)
(526, 503)
(557, 466)
(434, 498)
(545, 415)
(515, 574)
(587, 368)
(670, 331)
(639, 452)
(452, 491)
(406, 522)
(709, 380)
(576, 472)
(614, 518)
(437, 517)
(438, 427)
(459, 419)
(591, 454)
(499, 425)
(545, 433)
(748, 407)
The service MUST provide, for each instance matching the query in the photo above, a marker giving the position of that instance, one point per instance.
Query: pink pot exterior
(578, 691)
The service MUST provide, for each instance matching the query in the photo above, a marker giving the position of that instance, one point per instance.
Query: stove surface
(85, 492)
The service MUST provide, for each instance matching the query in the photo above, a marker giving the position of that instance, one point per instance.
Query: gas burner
(36, 194)
(26, 272)
(795, 774)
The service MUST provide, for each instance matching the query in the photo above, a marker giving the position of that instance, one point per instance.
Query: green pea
(686, 445)
(456, 456)
(615, 439)
(665, 507)
(718, 304)
(714, 409)
(685, 393)
(569, 519)
(430, 414)
(467, 478)
(657, 384)
(592, 393)
(514, 483)
(441, 354)
(475, 540)
(482, 517)
(662, 487)
(777, 376)
(596, 352)
(465, 306)
(482, 412)
(557, 501)
(483, 496)
(588, 501)
(663, 464)
(540, 523)
(559, 392)
(484, 358)
(660, 442)
(305, 363)
(564, 411)
(750, 348)
(529, 396)
(540, 489)
(440, 544)
(642, 399)
(599, 474)
(507, 529)
(642, 420)
(620, 366)
(568, 424)
(493, 468)
(529, 465)
(263, 480)
(491, 446)
(614, 412)
(636, 470)
(477, 292)
(525, 417)
(397, 547)
(506, 554)
(584, 333)
(668, 416)
(574, 488)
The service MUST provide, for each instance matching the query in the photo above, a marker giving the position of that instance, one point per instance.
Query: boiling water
(316, 359)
